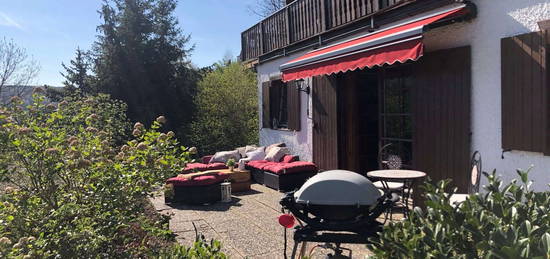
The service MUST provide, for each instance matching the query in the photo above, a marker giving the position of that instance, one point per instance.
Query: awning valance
(397, 43)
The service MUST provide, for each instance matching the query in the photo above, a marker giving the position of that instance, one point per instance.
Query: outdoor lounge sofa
(204, 187)
(201, 189)
(285, 175)
(204, 165)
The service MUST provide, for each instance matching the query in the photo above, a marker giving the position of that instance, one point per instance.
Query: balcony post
(262, 51)
(375, 5)
(244, 49)
(287, 24)
(324, 15)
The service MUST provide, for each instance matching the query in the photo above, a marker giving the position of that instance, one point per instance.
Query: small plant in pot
(231, 164)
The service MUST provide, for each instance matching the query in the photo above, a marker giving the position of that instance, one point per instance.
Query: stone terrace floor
(247, 227)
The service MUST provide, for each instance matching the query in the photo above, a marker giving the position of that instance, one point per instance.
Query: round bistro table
(407, 177)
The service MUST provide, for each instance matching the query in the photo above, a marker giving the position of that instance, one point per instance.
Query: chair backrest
(475, 173)
(388, 159)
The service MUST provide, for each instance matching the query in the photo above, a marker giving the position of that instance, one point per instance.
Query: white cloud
(5, 20)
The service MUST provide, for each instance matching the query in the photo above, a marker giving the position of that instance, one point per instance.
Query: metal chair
(475, 176)
(389, 160)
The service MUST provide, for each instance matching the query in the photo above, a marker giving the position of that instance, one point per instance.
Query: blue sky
(51, 30)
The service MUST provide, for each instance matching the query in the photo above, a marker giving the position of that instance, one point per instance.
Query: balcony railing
(303, 19)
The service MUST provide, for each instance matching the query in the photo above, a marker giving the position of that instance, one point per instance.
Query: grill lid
(338, 187)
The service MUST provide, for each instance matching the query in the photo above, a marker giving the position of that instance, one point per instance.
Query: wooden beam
(544, 25)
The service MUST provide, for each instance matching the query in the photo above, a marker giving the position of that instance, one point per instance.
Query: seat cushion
(289, 168)
(197, 181)
(200, 167)
(192, 167)
(257, 164)
(216, 166)
(391, 185)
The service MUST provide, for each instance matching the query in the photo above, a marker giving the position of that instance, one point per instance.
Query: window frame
(278, 99)
(400, 73)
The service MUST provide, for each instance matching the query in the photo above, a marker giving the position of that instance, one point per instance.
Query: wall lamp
(300, 86)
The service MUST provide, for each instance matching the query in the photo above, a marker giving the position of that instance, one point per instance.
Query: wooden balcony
(305, 19)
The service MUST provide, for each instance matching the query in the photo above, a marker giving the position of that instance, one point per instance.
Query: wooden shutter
(441, 115)
(293, 102)
(325, 123)
(524, 92)
(266, 121)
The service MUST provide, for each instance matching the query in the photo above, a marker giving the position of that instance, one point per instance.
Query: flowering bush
(508, 221)
(73, 191)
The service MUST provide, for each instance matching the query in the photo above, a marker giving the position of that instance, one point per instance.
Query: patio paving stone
(247, 226)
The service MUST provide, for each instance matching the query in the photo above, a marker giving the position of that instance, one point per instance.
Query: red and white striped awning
(397, 43)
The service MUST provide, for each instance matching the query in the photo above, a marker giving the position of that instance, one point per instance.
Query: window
(524, 93)
(395, 116)
(280, 105)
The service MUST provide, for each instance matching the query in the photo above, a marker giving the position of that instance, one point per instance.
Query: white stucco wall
(496, 19)
(299, 142)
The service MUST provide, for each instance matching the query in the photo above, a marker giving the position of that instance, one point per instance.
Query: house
(436, 79)
(26, 92)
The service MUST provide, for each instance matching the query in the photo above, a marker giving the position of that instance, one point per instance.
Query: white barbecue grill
(337, 207)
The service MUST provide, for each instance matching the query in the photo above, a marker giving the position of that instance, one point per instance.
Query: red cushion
(288, 168)
(289, 159)
(267, 164)
(206, 159)
(198, 181)
(217, 166)
(191, 167)
(200, 167)
(258, 164)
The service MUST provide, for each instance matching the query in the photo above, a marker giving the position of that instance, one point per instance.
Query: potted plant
(231, 164)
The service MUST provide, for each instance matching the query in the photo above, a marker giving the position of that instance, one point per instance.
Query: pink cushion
(289, 159)
(198, 181)
(288, 168)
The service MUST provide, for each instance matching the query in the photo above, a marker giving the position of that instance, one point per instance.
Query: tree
(227, 109)
(77, 73)
(264, 8)
(17, 69)
(142, 58)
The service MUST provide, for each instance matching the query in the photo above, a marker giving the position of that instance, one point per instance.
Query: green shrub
(73, 192)
(507, 221)
(201, 249)
(227, 109)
